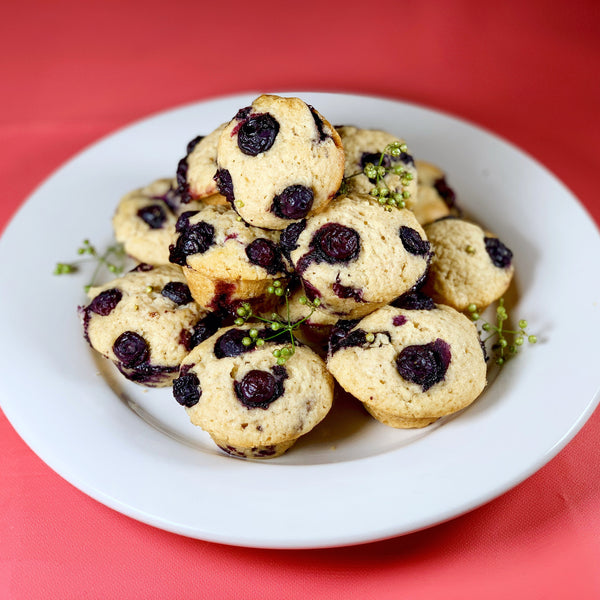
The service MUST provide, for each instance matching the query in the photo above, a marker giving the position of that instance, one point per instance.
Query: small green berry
(486, 327)
(241, 311)
(303, 299)
(277, 283)
(470, 250)
(317, 302)
(279, 291)
(275, 326)
(260, 342)
(370, 337)
(246, 341)
(502, 343)
(472, 308)
(406, 194)
(253, 333)
(276, 353)
(285, 352)
(532, 339)
(239, 321)
(281, 361)
(270, 290)
(522, 323)
(519, 340)
(475, 316)
(500, 361)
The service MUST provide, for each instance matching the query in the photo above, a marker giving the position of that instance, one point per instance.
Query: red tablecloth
(73, 71)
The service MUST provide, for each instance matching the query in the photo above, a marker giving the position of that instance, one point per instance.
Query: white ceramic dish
(352, 480)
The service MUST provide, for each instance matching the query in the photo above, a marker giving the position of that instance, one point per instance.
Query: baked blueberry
(266, 254)
(258, 389)
(153, 215)
(424, 364)
(187, 390)
(105, 302)
(413, 242)
(257, 134)
(178, 292)
(131, 349)
(499, 254)
(294, 202)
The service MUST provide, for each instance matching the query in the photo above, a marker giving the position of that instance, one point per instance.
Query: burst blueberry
(131, 349)
(257, 134)
(153, 215)
(178, 292)
(187, 390)
(499, 254)
(424, 364)
(294, 202)
(105, 302)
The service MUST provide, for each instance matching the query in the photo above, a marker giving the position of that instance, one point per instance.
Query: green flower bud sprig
(275, 323)
(112, 259)
(389, 198)
(508, 341)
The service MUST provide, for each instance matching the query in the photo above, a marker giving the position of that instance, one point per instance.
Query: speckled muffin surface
(196, 170)
(355, 256)
(223, 258)
(362, 146)
(144, 221)
(279, 161)
(249, 404)
(469, 266)
(144, 322)
(409, 367)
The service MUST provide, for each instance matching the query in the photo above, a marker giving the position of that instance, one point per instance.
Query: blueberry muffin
(355, 256)
(469, 266)
(144, 221)
(279, 161)
(146, 323)
(250, 405)
(225, 260)
(409, 367)
(364, 146)
(196, 170)
(435, 198)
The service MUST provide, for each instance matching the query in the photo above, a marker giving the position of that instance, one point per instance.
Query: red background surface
(74, 71)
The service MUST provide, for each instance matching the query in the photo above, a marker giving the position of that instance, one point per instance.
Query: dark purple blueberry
(266, 254)
(412, 241)
(243, 113)
(142, 268)
(204, 328)
(181, 176)
(178, 292)
(500, 255)
(195, 239)
(319, 124)
(153, 215)
(344, 291)
(414, 300)
(341, 335)
(310, 290)
(294, 202)
(257, 134)
(289, 237)
(146, 373)
(225, 184)
(131, 349)
(406, 158)
(258, 389)
(104, 303)
(193, 143)
(230, 343)
(374, 158)
(445, 191)
(425, 364)
(336, 243)
(183, 222)
(399, 320)
(186, 390)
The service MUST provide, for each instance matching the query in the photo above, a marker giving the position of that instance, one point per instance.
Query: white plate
(352, 480)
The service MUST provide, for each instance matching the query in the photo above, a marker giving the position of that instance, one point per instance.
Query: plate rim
(20, 426)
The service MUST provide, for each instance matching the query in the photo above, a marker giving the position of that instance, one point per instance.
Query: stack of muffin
(275, 221)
